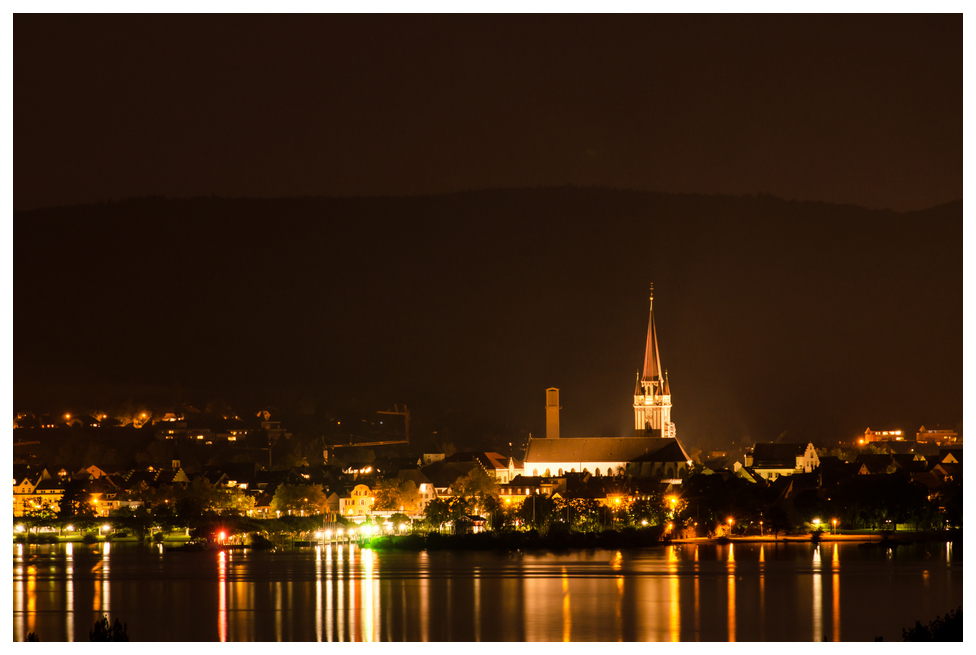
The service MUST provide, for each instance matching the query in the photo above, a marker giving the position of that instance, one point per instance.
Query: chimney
(552, 413)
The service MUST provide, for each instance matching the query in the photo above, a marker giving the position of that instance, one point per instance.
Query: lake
(682, 592)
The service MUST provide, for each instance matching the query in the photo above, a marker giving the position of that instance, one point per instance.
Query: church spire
(652, 397)
(652, 360)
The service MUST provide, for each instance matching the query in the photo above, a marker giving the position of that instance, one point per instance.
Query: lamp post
(730, 526)
(834, 522)
(760, 529)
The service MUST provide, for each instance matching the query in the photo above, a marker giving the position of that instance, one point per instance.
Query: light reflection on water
(344, 593)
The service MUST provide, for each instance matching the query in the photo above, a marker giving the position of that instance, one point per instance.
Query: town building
(773, 460)
(359, 504)
(873, 436)
(653, 451)
(940, 437)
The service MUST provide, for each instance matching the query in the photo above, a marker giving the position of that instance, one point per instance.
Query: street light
(760, 529)
(730, 525)
(834, 521)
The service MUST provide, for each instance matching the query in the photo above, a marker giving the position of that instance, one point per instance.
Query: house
(37, 493)
(522, 487)
(470, 524)
(773, 460)
(358, 504)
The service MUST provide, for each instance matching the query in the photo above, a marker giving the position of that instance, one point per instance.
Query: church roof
(603, 449)
(669, 452)
(777, 455)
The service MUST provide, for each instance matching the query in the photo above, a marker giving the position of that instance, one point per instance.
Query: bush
(158, 537)
(89, 538)
(947, 629)
(259, 541)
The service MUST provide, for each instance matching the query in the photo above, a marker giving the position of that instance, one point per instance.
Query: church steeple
(652, 358)
(652, 397)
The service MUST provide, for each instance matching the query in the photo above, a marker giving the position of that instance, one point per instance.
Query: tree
(538, 511)
(476, 483)
(75, 501)
(437, 513)
(652, 510)
(235, 500)
(947, 629)
(303, 500)
(394, 493)
(199, 497)
(102, 631)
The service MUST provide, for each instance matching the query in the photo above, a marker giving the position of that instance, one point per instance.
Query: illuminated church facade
(653, 451)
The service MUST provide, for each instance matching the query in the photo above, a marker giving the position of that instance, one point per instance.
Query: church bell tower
(652, 393)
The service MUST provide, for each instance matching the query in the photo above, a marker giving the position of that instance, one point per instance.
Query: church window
(573, 470)
(535, 472)
(560, 473)
(597, 471)
(548, 475)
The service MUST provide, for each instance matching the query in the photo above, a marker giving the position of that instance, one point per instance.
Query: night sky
(568, 149)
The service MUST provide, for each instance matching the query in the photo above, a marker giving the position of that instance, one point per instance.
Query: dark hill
(810, 318)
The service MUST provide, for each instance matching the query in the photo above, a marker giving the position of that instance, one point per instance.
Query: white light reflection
(318, 593)
(424, 594)
(69, 590)
(367, 586)
(19, 597)
(106, 596)
(817, 596)
(342, 588)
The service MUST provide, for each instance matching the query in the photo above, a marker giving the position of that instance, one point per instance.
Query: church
(653, 451)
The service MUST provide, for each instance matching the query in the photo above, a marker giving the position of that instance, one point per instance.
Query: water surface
(707, 592)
